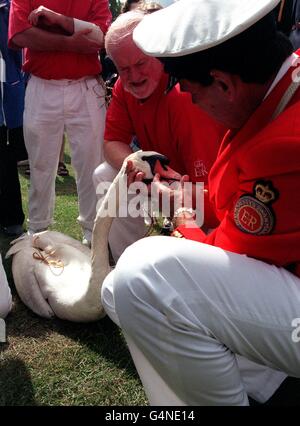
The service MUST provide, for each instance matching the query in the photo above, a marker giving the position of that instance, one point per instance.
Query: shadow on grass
(16, 380)
(102, 337)
(65, 186)
(21, 322)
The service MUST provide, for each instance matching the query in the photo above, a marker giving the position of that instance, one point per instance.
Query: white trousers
(5, 294)
(53, 107)
(125, 230)
(206, 326)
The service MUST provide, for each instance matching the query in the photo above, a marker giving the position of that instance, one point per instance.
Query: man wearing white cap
(215, 321)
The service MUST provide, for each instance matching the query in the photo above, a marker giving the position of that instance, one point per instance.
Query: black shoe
(13, 230)
(287, 395)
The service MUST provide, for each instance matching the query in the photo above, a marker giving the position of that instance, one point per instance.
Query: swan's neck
(100, 254)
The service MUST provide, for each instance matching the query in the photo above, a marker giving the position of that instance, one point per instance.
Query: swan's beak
(159, 164)
(165, 172)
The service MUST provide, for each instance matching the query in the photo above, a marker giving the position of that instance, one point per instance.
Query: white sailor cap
(190, 26)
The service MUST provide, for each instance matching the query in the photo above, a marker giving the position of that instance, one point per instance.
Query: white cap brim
(190, 26)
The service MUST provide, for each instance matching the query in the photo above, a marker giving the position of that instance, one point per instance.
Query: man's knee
(156, 271)
(137, 274)
(131, 268)
(103, 173)
(107, 297)
(5, 300)
(5, 307)
(5, 294)
(126, 286)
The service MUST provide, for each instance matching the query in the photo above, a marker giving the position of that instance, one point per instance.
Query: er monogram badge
(253, 213)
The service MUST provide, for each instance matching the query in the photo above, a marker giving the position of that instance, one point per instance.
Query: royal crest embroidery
(200, 169)
(253, 213)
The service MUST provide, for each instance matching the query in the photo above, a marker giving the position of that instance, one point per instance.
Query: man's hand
(51, 21)
(133, 174)
(42, 16)
(174, 195)
(167, 198)
(184, 218)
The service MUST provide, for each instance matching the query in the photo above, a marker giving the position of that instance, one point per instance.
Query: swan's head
(150, 163)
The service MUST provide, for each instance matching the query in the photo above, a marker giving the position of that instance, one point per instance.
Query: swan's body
(56, 275)
(50, 289)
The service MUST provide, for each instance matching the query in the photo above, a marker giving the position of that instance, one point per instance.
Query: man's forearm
(49, 20)
(66, 23)
(41, 40)
(38, 39)
(115, 153)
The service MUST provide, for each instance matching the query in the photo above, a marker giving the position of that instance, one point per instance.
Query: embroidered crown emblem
(265, 192)
(253, 213)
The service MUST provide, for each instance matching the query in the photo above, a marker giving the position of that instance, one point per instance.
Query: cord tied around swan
(38, 255)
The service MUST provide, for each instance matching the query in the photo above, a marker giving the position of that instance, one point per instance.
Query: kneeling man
(142, 111)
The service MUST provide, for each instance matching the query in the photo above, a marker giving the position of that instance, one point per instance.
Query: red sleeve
(100, 14)
(18, 19)
(274, 236)
(210, 218)
(118, 125)
(194, 234)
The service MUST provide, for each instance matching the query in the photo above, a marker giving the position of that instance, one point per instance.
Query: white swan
(55, 275)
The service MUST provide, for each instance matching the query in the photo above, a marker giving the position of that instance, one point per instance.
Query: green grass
(57, 362)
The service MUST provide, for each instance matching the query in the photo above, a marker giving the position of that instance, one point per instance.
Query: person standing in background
(64, 94)
(12, 90)
(289, 20)
(130, 5)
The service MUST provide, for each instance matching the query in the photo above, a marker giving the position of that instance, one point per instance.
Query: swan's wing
(43, 239)
(61, 238)
(54, 238)
(25, 279)
(22, 243)
(28, 288)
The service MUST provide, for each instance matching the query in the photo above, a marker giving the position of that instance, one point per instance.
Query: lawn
(57, 362)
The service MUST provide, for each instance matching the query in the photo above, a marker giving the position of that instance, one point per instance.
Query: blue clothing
(12, 91)
(295, 33)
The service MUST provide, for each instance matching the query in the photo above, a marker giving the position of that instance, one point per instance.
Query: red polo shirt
(255, 185)
(59, 65)
(169, 124)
